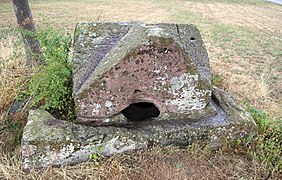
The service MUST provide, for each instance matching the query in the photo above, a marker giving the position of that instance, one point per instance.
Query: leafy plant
(96, 157)
(269, 140)
(51, 86)
(217, 80)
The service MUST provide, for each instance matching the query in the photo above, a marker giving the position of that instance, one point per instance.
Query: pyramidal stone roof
(118, 64)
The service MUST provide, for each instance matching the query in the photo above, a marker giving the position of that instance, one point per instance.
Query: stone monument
(135, 86)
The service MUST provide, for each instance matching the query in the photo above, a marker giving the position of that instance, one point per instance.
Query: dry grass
(13, 75)
(255, 75)
(12, 70)
(265, 17)
(160, 164)
(244, 45)
(65, 14)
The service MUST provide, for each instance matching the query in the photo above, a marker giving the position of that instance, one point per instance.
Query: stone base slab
(48, 141)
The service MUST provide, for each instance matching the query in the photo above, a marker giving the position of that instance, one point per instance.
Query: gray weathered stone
(120, 64)
(135, 86)
(51, 142)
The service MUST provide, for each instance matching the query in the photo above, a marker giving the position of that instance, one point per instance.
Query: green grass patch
(267, 146)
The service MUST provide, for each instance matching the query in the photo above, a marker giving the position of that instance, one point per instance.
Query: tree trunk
(25, 21)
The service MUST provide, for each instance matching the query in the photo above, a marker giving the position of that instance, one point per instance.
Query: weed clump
(217, 80)
(267, 145)
(50, 87)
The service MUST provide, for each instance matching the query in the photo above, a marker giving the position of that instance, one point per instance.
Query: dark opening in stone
(140, 111)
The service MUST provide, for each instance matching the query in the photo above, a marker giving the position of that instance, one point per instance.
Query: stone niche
(135, 86)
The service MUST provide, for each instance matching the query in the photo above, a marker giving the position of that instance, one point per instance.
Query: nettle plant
(51, 86)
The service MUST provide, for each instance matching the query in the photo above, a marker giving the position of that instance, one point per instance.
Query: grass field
(244, 42)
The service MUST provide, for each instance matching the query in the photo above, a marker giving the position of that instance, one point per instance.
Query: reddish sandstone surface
(146, 64)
